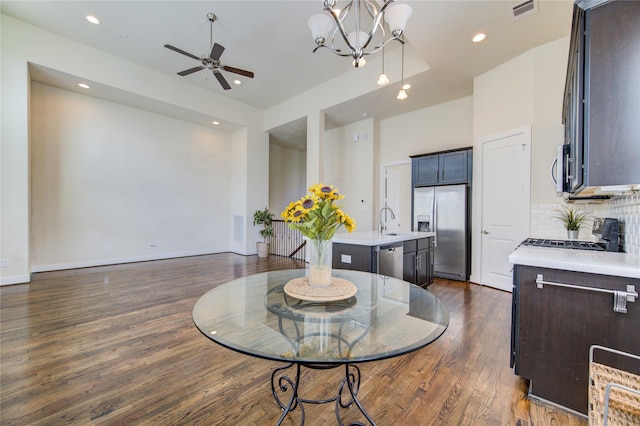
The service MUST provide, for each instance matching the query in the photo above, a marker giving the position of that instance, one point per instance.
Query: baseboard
(115, 261)
(16, 279)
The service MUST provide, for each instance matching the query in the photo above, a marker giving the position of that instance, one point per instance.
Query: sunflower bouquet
(318, 219)
(316, 216)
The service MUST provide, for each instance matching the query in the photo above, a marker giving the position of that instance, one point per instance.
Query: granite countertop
(374, 238)
(595, 262)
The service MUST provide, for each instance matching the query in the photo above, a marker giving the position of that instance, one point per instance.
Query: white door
(506, 175)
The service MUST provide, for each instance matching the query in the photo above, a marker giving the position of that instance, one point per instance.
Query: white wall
(525, 91)
(287, 177)
(109, 180)
(438, 128)
(350, 165)
(23, 44)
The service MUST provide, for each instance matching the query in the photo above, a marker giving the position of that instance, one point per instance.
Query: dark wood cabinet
(425, 170)
(443, 168)
(553, 328)
(417, 260)
(418, 256)
(354, 257)
(602, 96)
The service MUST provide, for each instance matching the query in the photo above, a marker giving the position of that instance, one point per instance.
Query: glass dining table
(256, 316)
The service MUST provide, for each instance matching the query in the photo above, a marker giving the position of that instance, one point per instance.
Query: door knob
(485, 232)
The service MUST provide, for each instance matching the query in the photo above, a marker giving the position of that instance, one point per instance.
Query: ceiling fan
(212, 60)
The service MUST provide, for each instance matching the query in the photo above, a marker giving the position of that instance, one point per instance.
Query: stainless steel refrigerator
(444, 210)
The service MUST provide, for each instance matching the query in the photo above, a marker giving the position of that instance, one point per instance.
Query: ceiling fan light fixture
(211, 61)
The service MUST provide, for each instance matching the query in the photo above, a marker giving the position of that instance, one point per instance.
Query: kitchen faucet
(383, 226)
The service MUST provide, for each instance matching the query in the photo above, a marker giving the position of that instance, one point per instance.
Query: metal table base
(347, 394)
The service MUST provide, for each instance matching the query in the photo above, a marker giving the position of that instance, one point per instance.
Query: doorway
(395, 192)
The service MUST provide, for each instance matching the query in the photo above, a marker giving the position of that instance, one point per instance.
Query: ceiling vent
(524, 9)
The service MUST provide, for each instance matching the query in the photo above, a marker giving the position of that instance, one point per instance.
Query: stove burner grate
(566, 244)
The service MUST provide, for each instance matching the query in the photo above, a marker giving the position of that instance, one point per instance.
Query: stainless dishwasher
(390, 260)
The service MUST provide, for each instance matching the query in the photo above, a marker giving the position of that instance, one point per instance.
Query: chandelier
(352, 24)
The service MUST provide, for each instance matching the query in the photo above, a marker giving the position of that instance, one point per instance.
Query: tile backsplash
(624, 208)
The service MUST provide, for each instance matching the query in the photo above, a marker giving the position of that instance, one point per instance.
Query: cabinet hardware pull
(620, 297)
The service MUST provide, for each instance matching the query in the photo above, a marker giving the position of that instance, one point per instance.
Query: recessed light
(479, 37)
(92, 19)
(215, 123)
(238, 82)
(84, 86)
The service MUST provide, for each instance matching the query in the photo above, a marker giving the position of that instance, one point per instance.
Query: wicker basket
(624, 406)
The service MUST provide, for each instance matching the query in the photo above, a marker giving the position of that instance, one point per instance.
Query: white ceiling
(271, 39)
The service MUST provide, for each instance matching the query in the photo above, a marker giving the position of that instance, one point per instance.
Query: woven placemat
(339, 289)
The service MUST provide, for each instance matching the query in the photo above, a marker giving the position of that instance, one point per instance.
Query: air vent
(238, 228)
(524, 9)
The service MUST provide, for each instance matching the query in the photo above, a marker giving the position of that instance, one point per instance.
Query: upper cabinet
(442, 168)
(602, 96)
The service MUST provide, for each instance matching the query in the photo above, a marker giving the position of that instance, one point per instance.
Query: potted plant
(264, 218)
(572, 218)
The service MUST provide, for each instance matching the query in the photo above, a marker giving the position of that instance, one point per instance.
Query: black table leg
(347, 394)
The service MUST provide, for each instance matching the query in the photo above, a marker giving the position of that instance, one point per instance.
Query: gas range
(565, 244)
(606, 230)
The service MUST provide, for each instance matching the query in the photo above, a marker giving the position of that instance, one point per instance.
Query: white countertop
(374, 238)
(595, 262)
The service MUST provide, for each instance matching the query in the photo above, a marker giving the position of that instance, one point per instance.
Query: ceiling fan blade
(216, 51)
(191, 70)
(238, 71)
(225, 85)
(175, 49)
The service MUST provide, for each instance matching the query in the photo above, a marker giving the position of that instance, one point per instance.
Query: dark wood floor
(116, 345)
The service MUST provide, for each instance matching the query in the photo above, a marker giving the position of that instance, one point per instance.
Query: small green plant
(264, 218)
(572, 217)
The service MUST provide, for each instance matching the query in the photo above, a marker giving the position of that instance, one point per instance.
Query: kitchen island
(404, 255)
(564, 301)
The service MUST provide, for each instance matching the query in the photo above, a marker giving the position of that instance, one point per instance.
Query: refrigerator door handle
(435, 220)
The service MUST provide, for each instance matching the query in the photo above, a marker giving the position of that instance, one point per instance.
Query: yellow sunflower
(326, 192)
(309, 203)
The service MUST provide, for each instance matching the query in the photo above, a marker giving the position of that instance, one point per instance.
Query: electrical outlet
(5, 263)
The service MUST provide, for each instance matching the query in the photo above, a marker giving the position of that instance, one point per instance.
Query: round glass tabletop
(386, 317)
